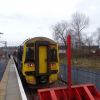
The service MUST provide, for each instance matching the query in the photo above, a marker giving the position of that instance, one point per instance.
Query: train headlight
(30, 64)
(53, 64)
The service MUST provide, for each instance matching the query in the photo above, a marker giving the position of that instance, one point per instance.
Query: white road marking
(23, 95)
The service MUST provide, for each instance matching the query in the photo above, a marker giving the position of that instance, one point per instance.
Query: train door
(42, 59)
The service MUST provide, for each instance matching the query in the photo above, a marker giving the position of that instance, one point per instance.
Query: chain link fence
(81, 75)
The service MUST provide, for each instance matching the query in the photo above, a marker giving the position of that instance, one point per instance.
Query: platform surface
(9, 85)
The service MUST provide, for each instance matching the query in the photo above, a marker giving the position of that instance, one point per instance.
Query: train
(38, 61)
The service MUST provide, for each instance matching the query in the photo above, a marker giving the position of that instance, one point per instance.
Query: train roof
(39, 39)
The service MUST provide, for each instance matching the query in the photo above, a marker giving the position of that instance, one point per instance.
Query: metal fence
(81, 75)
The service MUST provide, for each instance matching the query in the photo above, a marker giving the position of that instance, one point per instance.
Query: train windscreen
(29, 54)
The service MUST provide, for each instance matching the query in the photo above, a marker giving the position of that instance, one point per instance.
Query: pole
(68, 54)
(6, 50)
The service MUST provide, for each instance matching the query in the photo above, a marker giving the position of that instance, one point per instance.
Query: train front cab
(41, 67)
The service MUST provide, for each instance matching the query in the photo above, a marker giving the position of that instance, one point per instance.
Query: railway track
(3, 64)
(31, 93)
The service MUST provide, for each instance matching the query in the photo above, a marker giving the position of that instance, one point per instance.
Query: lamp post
(1, 33)
(5, 44)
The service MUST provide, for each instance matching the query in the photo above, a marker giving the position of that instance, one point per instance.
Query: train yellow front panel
(42, 59)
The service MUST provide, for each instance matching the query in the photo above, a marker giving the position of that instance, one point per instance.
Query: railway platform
(10, 85)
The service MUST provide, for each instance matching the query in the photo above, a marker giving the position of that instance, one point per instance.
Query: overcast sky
(22, 19)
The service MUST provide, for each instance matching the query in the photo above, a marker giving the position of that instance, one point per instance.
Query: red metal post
(68, 54)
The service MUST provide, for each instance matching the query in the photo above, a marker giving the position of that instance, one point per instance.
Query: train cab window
(29, 54)
(53, 55)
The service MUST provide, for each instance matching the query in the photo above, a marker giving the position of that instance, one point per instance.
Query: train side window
(29, 54)
(53, 55)
(20, 53)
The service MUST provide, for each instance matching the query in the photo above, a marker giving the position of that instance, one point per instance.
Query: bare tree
(60, 31)
(87, 40)
(98, 36)
(79, 23)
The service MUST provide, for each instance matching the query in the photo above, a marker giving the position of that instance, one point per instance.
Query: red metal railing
(77, 92)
